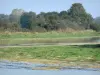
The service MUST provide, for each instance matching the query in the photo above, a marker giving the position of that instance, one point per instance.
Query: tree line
(75, 18)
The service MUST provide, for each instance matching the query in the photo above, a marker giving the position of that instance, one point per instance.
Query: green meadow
(72, 53)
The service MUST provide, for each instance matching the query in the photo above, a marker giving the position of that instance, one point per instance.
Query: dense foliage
(76, 18)
(97, 20)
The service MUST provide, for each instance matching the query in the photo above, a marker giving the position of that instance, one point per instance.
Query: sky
(6, 6)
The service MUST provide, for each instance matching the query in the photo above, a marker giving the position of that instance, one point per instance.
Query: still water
(21, 68)
(32, 42)
(46, 72)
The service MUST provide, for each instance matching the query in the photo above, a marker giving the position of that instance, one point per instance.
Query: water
(49, 42)
(46, 72)
(22, 68)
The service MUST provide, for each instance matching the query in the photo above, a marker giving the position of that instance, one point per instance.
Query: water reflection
(31, 42)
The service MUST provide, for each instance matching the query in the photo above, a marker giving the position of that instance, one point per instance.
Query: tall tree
(79, 15)
(28, 20)
(4, 20)
(15, 15)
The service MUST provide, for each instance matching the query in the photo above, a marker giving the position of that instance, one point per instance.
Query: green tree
(79, 15)
(28, 20)
(64, 15)
(15, 15)
(4, 20)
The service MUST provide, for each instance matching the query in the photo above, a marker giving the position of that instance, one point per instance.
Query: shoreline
(50, 44)
(58, 64)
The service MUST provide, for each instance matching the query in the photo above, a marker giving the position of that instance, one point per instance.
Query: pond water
(65, 41)
(46, 72)
(22, 68)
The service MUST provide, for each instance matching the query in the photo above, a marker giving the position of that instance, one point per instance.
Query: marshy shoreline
(77, 50)
(43, 64)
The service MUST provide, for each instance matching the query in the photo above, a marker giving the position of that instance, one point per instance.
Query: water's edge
(5, 64)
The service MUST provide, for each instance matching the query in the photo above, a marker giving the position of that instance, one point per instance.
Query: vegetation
(21, 27)
(49, 35)
(76, 18)
(97, 24)
(17, 38)
(71, 53)
(97, 20)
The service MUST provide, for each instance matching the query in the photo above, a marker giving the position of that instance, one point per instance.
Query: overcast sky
(6, 6)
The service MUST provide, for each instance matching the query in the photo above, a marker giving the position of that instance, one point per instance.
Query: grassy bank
(53, 34)
(33, 41)
(67, 53)
(15, 38)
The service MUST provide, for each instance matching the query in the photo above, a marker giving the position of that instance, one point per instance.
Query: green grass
(53, 34)
(73, 53)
